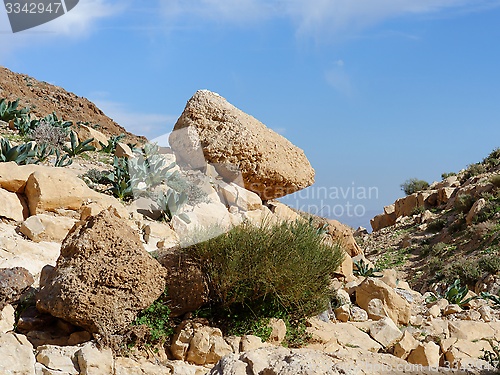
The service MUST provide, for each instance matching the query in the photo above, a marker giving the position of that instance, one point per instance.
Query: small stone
(385, 332)
(434, 311)
(485, 312)
(404, 347)
(358, 314)
(451, 309)
(425, 354)
(343, 313)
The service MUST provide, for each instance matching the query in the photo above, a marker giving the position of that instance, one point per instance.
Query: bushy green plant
(436, 225)
(445, 175)
(414, 185)
(149, 167)
(495, 180)
(464, 203)
(493, 158)
(474, 170)
(77, 147)
(157, 318)
(21, 154)
(364, 269)
(286, 265)
(112, 142)
(418, 210)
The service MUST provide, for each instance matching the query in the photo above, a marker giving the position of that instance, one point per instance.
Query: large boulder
(86, 132)
(396, 306)
(52, 189)
(102, 278)
(212, 130)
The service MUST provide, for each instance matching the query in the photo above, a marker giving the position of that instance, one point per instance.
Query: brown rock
(186, 283)
(382, 221)
(477, 207)
(123, 151)
(403, 348)
(405, 206)
(102, 278)
(13, 282)
(425, 354)
(211, 129)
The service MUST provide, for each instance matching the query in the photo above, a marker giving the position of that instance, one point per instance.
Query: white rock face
(16, 354)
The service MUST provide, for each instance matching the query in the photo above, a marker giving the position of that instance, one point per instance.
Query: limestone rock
(397, 307)
(16, 354)
(425, 354)
(234, 195)
(93, 361)
(344, 234)
(382, 221)
(358, 314)
(343, 313)
(277, 360)
(7, 319)
(13, 282)
(186, 283)
(13, 177)
(376, 309)
(210, 129)
(50, 189)
(476, 208)
(278, 332)
(86, 132)
(59, 358)
(102, 278)
(405, 206)
(43, 227)
(283, 212)
(385, 332)
(12, 206)
(470, 330)
(403, 348)
(452, 309)
(123, 151)
(251, 342)
(128, 366)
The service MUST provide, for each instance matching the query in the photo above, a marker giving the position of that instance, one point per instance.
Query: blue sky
(374, 91)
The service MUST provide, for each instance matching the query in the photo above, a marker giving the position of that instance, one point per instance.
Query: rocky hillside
(126, 260)
(451, 230)
(44, 98)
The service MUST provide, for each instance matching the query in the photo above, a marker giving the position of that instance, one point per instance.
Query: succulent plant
(120, 179)
(112, 142)
(171, 203)
(364, 269)
(62, 161)
(43, 151)
(77, 147)
(21, 154)
(9, 111)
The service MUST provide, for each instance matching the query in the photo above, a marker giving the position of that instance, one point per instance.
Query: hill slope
(44, 98)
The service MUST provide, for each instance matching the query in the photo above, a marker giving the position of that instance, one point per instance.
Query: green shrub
(9, 111)
(414, 185)
(490, 264)
(96, 176)
(112, 142)
(170, 204)
(464, 203)
(157, 318)
(120, 180)
(287, 266)
(444, 176)
(436, 225)
(474, 170)
(493, 158)
(21, 154)
(495, 180)
(454, 294)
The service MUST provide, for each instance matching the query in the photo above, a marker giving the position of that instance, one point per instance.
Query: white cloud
(147, 124)
(313, 17)
(77, 23)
